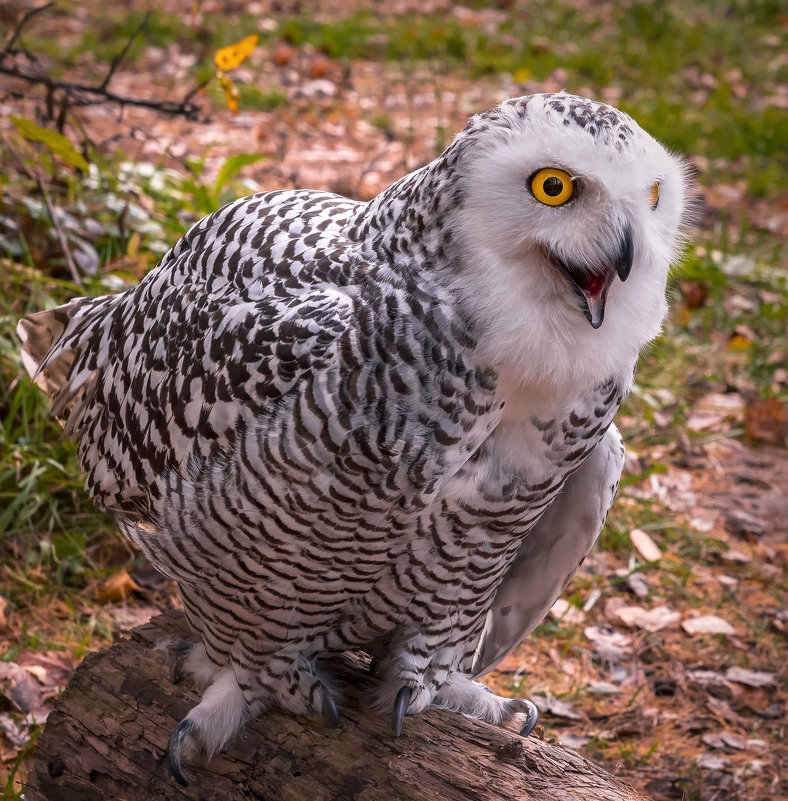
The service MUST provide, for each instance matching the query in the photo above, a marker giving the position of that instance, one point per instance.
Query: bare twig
(120, 56)
(72, 267)
(33, 175)
(183, 107)
(15, 34)
(95, 94)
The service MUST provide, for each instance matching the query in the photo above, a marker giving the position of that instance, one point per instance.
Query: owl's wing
(150, 381)
(551, 553)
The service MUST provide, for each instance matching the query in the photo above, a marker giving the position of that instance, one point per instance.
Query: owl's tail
(62, 347)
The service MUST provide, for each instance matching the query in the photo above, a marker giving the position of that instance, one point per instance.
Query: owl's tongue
(592, 290)
(591, 285)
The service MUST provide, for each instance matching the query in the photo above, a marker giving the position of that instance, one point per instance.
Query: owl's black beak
(592, 284)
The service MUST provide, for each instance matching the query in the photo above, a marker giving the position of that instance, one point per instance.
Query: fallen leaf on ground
(16, 734)
(707, 624)
(19, 688)
(129, 617)
(752, 678)
(602, 687)
(767, 420)
(742, 523)
(610, 645)
(649, 619)
(711, 762)
(723, 710)
(711, 681)
(737, 556)
(646, 547)
(564, 612)
(49, 667)
(575, 741)
(560, 709)
(116, 587)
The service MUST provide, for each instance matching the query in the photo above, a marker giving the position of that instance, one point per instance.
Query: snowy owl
(382, 425)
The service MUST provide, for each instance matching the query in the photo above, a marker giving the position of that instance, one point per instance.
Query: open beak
(591, 284)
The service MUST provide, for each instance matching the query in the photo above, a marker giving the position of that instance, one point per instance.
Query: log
(106, 740)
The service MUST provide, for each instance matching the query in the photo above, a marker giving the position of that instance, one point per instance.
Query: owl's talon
(174, 750)
(330, 712)
(177, 658)
(400, 705)
(533, 717)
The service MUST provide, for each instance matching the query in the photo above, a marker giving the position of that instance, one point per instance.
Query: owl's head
(570, 220)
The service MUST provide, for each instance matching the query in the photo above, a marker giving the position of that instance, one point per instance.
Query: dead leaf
(707, 624)
(723, 710)
(742, 523)
(323, 67)
(694, 293)
(733, 741)
(19, 688)
(696, 725)
(636, 583)
(610, 645)
(231, 93)
(116, 587)
(283, 54)
(751, 678)
(715, 411)
(564, 612)
(16, 734)
(710, 681)
(560, 709)
(711, 762)
(51, 668)
(232, 56)
(602, 688)
(649, 619)
(575, 741)
(129, 617)
(645, 546)
(766, 419)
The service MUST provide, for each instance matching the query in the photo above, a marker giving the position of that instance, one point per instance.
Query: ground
(665, 661)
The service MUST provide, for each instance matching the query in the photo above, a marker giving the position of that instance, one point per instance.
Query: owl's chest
(520, 468)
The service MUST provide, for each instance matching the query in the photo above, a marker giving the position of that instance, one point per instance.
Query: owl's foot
(178, 656)
(400, 705)
(461, 694)
(234, 696)
(209, 726)
(190, 659)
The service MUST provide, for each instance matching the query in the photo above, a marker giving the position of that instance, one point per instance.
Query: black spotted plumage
(311, 416)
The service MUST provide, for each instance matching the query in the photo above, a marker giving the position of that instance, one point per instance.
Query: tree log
(106, 740)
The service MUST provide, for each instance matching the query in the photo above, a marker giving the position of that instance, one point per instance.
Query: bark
(107, 740)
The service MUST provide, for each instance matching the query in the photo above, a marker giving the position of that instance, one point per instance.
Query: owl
(384, 426)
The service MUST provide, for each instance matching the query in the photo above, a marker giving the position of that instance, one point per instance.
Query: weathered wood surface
(107, 737)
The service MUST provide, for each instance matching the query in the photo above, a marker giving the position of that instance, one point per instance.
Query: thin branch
(16, 33)
(120, 56)
(33, 175)
(100, 93)
(72, 267)
(183, 107)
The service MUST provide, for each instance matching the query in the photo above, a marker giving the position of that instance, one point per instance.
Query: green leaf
(58, 144)
(232, 167)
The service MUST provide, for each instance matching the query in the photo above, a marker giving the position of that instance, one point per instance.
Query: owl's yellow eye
(551, 186)
(653, 195)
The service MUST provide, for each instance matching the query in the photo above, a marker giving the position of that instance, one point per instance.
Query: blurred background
(122, 124)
